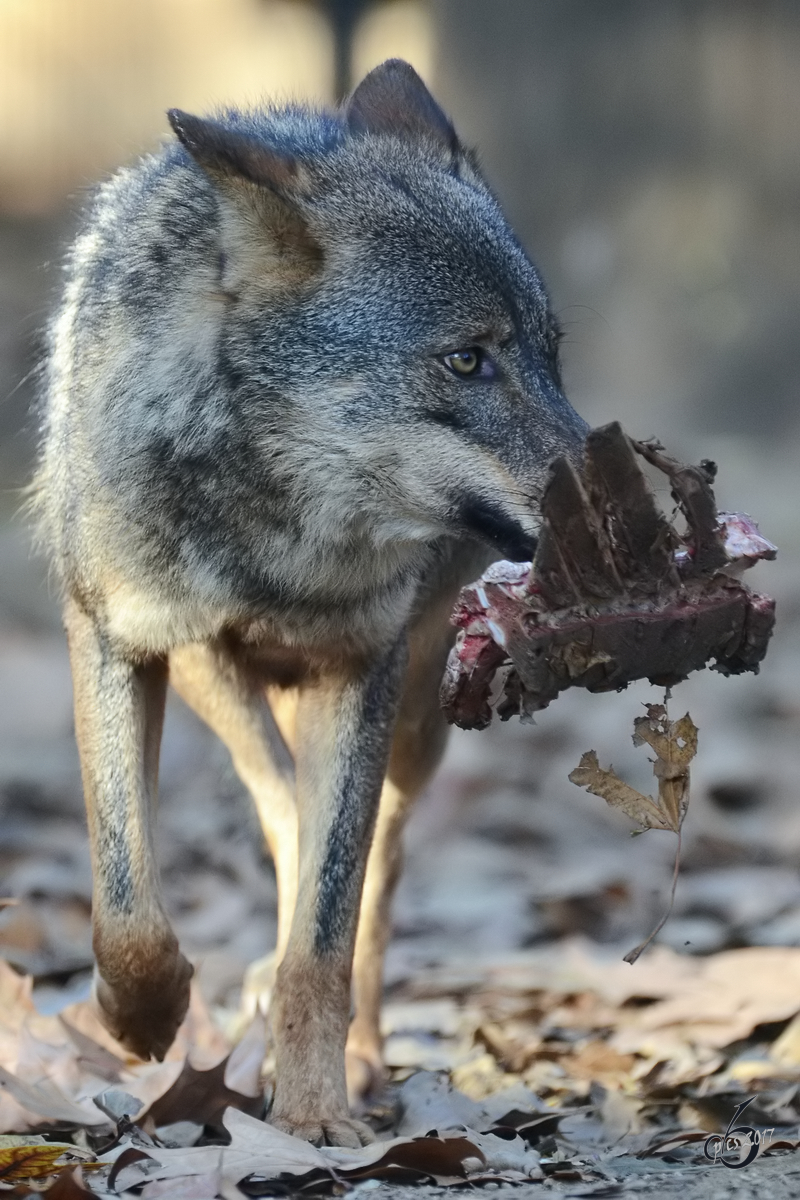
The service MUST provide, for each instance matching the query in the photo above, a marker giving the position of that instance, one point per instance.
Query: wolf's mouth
(486, 521)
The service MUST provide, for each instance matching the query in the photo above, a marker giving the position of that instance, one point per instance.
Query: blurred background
(648, 153)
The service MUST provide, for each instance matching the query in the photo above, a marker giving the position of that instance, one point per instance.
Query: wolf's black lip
(486, 521)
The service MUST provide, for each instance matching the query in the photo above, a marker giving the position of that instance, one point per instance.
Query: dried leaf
(127, 1158)
(675, 744)
(193, 1187)
(598, 1062)
(432, 1156)
(255, 1149)
(200, 1096)
(48, 1101)
(427, 1100)
(261, 1150)
(93, 1056)
(244, 1063)
(618, 794)
(785, 1052)
(30, 1162)
(69, 1185)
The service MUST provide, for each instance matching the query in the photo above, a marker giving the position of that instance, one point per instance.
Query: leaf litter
(557, 1063)
(562, 1062)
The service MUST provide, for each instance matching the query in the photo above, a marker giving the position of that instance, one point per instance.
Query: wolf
(302, 386)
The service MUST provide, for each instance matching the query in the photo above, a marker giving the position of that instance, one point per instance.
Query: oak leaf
(618, 794)
(675, 745)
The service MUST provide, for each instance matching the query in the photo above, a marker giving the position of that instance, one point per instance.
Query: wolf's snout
(489, 523)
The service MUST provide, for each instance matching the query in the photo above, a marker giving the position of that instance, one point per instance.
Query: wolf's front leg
(344, 730)
(143, 983)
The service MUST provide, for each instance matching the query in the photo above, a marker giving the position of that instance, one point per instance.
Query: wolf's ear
(226, 153)
(263, 190)
(393, 99)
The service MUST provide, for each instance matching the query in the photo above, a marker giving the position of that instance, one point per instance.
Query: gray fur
(238, 449)
(355, 801)
(255, 455)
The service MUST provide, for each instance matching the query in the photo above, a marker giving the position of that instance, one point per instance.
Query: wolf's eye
(471, 361)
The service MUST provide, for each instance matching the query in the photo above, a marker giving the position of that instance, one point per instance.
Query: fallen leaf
(99, 1060)
(785, 1050)
(675, 1141)
(30, 1161)
(46, 1100)
(439, 1157)
(16, 1003)
(193, 1187)
(616, 793)
(675, 744)
(129, 1156)
(256, 1148)
(201, 1096)
(244, 1063)
(599, 1062)
(427, 1100)
(69, 1185)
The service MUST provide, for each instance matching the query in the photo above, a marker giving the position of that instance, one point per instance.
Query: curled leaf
(618, 794)
(32, 1161)
(675, 745)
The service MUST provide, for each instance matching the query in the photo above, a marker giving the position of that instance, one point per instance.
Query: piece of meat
(615, 592)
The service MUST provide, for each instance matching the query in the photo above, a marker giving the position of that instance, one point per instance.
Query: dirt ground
(779, 1179)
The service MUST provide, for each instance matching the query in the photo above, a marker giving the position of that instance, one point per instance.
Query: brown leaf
(256, 1148)
(675, 1141)
(93, 1056)
(15, 996)
(200, 1096)
(675, 744)
(599, 1062)
(29, 1162)
(728, 995)
(69, 1185)
(618, 794)
(126, 1159)
(46, 1100)
(429, 1155)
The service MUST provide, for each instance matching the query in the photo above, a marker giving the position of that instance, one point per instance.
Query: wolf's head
(394, 340)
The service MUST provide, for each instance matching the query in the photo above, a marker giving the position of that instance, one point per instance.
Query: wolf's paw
(145, 1014)
(322, 1131)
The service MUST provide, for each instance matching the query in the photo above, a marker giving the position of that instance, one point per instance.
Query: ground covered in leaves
(549, 1062)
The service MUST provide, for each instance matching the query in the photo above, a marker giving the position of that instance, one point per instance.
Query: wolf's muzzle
(486, 521)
